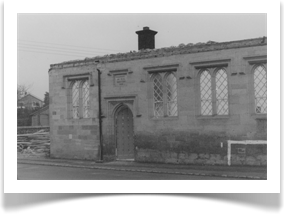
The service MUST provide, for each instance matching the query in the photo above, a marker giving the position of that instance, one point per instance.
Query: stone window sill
(76, 119)
(165, 118)
(201, 117)
(259, 116)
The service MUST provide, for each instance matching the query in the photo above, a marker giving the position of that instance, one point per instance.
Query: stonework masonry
(71, 138)
(188, 137)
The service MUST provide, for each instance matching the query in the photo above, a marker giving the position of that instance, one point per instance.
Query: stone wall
(75, 142)
(196, 148)
(72, 138)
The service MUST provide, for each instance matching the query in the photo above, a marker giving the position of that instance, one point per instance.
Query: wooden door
(124, 134)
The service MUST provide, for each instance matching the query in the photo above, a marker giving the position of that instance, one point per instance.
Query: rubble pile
(34, 144)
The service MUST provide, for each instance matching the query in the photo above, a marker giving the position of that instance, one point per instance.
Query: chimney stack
(146, 38)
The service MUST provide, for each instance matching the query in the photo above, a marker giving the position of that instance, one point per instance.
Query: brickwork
(185, 138)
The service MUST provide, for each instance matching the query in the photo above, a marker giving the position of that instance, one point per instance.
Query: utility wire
(60, 49)
(67, 45)
(49, 53)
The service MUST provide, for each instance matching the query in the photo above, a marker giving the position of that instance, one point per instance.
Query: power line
(60, 48)
(50, 53)
(59, 51)
(67, 45)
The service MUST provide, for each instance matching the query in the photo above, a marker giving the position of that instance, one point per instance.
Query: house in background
(40, 117)
(29, 101)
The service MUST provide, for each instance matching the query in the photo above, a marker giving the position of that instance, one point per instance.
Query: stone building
(175, 105)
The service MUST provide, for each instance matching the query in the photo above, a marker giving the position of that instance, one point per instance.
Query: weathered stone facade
(187, 137)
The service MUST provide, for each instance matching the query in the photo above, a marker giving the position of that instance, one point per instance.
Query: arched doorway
(124, 133)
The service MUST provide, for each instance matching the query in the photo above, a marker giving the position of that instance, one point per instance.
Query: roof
(30, 95)
(168, 51)
(40, 110)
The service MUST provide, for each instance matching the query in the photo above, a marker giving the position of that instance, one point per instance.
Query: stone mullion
(69, 101)
(80, 108)
(214, 94)
(164, 87)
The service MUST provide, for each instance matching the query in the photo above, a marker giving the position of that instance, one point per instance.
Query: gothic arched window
(206, 93)
(80, 99)
(222, 104)
(260, 89)
(164, 94)
(171, 85)
(158, 95)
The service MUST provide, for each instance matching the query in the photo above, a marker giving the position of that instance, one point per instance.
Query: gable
(31, 98)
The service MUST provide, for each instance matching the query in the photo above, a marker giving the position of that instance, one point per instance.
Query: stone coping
(162, 52)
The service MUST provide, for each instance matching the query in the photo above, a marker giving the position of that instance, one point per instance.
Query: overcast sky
(45, 39)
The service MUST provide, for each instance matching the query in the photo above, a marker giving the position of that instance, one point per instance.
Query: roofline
(32, 96)
(161, 52)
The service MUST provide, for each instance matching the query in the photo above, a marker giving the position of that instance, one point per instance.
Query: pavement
(237, 172)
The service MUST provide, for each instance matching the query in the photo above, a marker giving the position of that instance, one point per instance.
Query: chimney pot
(146, 38)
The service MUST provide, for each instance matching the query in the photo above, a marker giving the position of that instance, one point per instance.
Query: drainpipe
(100, 116)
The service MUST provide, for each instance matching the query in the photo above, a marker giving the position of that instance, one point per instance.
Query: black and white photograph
(143, 102)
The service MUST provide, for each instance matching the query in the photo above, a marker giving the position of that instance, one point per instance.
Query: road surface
(41, 172)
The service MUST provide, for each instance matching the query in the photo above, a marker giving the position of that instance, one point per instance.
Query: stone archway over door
(124, 133)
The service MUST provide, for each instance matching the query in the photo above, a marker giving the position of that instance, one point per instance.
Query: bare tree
(22, 90)
(23, 113)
